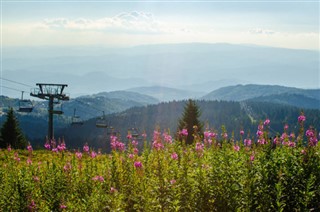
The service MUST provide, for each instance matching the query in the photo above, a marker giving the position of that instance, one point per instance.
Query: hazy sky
(290, 24)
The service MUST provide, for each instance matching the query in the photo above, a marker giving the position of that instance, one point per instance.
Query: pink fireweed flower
(32, 205)
(29, 161)
(29, 148)
(247, 142)
(144, 135)
(113, 190)
(259, 133)
(173, 181)
(62, 206)
(241, 132)
(131, 156)
(156, 135)
(167, 138)
(54, 150)
(137, 164)
(47, 146)
(61, 147)
(174, 156)
(291, 144)
(236, 148)
(129, 136)
(86, 148)
(67, 167)
(36, 178)
(260, 127)
(309, 133)
(136, 151)
(286, 126)
(79, 155)
(266, 122)
(98, 178)
(304, 152)
(134, 143)
(199, 147)
(261, 141)
(9, 148)
(225, 135)
(93, 154)
(301, 118)
(183, 132)
(251, 157)
(157, 145)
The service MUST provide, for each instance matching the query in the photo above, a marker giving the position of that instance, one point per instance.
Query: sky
(289, 24)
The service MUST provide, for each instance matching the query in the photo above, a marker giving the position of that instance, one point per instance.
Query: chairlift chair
(25, 105)
(101, 121)
(76, 120)
(134, 132)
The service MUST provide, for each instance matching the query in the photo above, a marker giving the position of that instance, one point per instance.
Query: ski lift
(134, 133)
(76, 119)
(101, 121)
(25, 105)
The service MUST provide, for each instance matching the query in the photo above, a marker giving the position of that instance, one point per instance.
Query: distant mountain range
(189, 66)
(302, 98)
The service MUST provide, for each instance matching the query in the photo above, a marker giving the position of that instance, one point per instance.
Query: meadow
(162, 173)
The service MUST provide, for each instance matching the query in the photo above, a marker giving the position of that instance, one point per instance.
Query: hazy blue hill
(168, 65)
(166, 94)
(298, 100)
(245, 92)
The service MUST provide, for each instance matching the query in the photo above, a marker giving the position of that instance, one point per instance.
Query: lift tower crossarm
(49, 91)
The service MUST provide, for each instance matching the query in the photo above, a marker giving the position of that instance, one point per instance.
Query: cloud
(261, 31)
(126, 22)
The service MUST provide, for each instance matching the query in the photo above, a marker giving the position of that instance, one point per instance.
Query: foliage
(216, 173)
(11, 134)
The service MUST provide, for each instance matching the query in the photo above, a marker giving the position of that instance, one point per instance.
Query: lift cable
(13, 88)
(16, 82)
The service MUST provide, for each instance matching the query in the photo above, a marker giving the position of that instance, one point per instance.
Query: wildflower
(47, 146)
(32, 205)
(86, 148)
(174, 156)
(167, 138)
(36, 178)
(251, 157)
(144, 135)
(286, 127)
(173, 181)
(79, 155)
(54, 150)
(61, 147)
(261, 141)
(93, 154)
(62, 206)
(113, 190)
(136, 151)
(29, 148)
(157, 145)
(266, 122)
(304, 152)
(247, 142)
(301, 118)
(67, 167)
(259, 133)
(137, 164)
(183, 132)
(241, 132)
(225, 135)
(131, 156)
(236, 148)
(199, 147)
(134, 143)
(129, 136)
(9, 148)
(29, 161)
(98, 178)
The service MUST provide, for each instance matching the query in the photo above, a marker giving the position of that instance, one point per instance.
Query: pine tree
(190, 121)
(11, 133)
